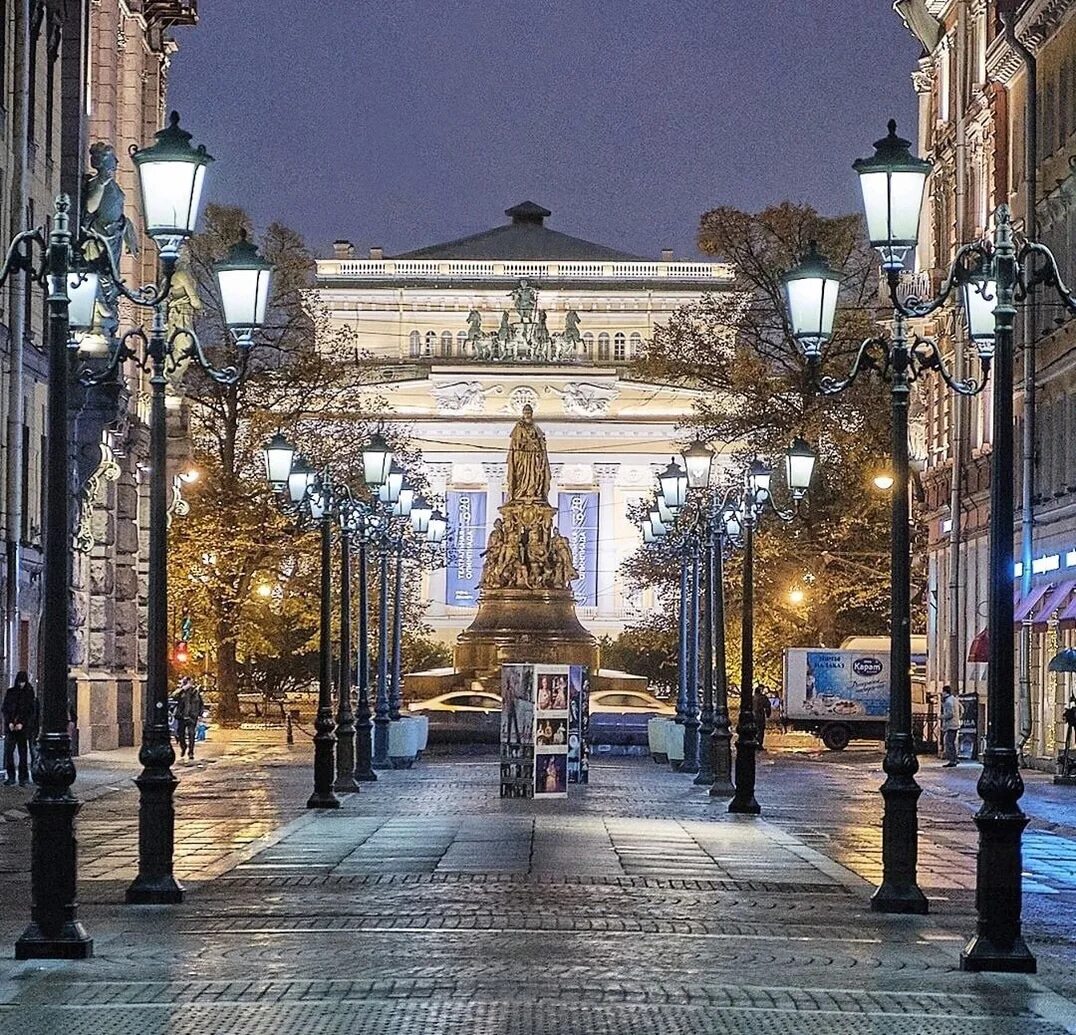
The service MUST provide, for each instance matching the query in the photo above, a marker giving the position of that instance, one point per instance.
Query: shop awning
(1055, 601)
(1069, 614)
(980, 646)
(1025, 607)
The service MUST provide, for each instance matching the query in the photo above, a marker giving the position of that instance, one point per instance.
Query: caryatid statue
(528, 462)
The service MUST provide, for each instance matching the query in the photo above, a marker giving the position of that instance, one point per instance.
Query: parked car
(463, 716)
(620, 716)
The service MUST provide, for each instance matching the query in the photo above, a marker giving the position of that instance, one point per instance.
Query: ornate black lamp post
(400, 509)
(171, 174)
(755, 501)
(668, 502)
(992, 276)
(345, 782)
(55, 931)
(389, 494)
(711, 525)
(326, 502)
(892, 182)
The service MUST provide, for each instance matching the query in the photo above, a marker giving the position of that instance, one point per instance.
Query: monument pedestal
(523, 625)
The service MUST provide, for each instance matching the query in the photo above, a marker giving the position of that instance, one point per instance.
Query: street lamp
(756, 499)
(811, 296)
(279, 454)
(55, 931)
(709, 526)
(171, 175)
(376, 460)
(673, 483)
(893, 182)
(317, 496)
(401, 508)
(243, 279)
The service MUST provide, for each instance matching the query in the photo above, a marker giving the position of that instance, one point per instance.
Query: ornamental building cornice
(1035, 25)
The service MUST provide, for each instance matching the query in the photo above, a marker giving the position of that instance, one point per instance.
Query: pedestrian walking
(760, 701)
(950, 724)
(20, 724)
(189, 707)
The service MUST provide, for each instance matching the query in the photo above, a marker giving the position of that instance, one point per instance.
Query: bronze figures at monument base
(526, 610)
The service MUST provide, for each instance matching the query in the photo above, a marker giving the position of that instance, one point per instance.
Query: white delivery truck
(843, 694)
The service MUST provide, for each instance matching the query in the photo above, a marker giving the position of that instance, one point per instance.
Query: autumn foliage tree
(298, 378)
(759, 393)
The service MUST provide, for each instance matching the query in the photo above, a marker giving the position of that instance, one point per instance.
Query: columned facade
(469, 332)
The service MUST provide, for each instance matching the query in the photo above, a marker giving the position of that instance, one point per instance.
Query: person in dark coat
(189, 708)
(760, 702)
(20, 723)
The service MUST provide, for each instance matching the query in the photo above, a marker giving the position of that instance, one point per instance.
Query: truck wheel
(836, 737)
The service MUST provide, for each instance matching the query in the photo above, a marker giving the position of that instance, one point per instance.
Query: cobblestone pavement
(429, 905)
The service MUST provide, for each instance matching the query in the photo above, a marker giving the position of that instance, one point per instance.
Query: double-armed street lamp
(710, 519)
(991, 277)
(73, 268)
(327, 502)
(377, 522)
(171, 174)
(755, 500)
(892, 182)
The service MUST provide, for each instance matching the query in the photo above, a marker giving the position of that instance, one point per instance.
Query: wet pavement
(428, 904)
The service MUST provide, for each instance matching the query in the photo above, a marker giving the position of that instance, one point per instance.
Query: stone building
(978, 110)
(79, 71)
(469, 332)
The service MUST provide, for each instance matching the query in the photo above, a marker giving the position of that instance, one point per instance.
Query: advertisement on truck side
(841, 685)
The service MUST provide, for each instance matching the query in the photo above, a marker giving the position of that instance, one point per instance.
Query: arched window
(446, 344)
(620, 348)
(603, 346)
(431, 342)
(635, 344)
(588, 345)
(416, 344)
(461, 344)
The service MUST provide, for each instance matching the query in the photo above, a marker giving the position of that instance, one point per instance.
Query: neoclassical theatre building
(470, 331)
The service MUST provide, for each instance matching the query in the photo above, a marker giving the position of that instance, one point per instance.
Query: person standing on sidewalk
(20, 722)
(760, 700)
(950, 724)
(189, 707)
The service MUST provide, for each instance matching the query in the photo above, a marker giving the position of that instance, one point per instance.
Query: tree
(299, 378)
(759, 394)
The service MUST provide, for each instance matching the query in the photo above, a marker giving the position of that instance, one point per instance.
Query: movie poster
(551, 714)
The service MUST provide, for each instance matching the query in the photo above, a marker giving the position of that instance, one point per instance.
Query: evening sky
(409, 122)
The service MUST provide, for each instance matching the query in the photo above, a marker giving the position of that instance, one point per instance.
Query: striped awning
(1026, 607)
(1055, 602)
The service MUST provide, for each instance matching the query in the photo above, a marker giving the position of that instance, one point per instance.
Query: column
(606, 475)
(495, 476)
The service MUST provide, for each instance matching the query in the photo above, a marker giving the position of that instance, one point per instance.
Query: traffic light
(181, 655)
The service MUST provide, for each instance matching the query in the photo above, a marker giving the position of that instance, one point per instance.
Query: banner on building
(577, 521)
(467, 519)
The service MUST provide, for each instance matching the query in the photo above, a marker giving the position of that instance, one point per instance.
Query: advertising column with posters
(544, 718)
